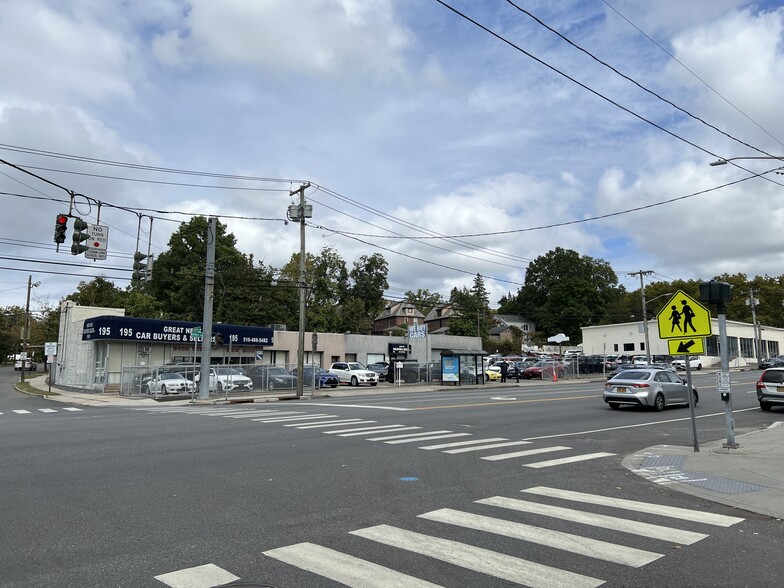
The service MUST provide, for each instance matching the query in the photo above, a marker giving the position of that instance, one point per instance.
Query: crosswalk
(491, 449)
(507, 538)
(24, 411)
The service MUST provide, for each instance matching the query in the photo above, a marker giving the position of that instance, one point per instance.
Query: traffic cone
(555, 375)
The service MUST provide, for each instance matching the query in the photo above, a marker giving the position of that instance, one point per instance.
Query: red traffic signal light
(60, 228)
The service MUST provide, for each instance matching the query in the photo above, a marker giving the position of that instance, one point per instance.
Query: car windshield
(276, 370)
(638, 376)
(228, 372)
(356, 366)
(171, 376)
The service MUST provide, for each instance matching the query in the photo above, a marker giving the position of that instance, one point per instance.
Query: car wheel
(614, 405)
(220, 386)
(147, 390)
(163, 389)
(658, 403)
(699, 366)
(334, 386)
(765, 406)
(695, 396)
(354, 381)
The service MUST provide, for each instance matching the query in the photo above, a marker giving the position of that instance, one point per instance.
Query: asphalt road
(199, 496)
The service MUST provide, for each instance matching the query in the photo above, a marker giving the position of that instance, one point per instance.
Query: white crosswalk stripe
(353, 571)
(564, 460)
(499, 565)
(597, 520)
(337, 423)
(346, 569)
(621, 554)
(348, 427)
(72, 409)
(47, 410)
(21, 411)
(525, 453)
(685, 514)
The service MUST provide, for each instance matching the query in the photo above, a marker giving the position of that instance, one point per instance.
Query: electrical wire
(633, 81)
(684, 66)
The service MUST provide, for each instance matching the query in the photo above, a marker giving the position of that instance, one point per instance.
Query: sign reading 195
(104, 331)
(126, 332)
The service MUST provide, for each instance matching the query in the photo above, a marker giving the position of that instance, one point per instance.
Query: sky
(455, 138)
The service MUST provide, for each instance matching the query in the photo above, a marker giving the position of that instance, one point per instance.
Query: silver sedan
(649, 387)
(168, 383)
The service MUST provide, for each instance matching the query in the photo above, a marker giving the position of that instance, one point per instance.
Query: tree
(370, 282)
(178, 275)
(424, 300)
(98, 292)
(565, 291)
(471, 312)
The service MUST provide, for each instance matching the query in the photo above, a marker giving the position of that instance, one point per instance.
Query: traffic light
(79, 236)
(60, 228)
(140, 271)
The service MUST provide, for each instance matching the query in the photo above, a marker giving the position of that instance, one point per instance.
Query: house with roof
(397, 315)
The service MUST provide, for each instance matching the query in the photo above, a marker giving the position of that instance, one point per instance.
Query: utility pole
(206, 329)
(26, 338)
(753, 302)
(298, 213)
(642, 273)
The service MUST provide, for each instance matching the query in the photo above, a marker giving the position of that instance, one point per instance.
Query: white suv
(226, 379)
(354, 373)
(694, 363)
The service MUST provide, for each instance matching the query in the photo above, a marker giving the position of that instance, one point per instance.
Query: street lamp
(726, 161)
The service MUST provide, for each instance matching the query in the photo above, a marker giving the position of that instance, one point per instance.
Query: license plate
(780, 389)
(620, 389)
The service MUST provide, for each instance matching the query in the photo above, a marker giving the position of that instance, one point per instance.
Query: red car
(543, 370)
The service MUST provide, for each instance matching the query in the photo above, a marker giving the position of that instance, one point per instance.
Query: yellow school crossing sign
(683, 317)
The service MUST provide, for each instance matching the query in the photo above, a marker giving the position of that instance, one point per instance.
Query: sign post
(683, 322)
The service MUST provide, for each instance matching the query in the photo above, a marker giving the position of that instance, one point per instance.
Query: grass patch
(29, 389)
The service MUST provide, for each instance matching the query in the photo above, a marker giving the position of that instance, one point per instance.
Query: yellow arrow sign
(693, 346)
(683, 317)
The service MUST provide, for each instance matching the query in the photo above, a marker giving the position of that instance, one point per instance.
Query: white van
(29, 365)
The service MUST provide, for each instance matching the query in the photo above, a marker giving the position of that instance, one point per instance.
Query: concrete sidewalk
(750, 477)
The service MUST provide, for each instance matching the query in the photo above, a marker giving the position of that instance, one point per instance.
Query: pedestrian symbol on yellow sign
(683, 316)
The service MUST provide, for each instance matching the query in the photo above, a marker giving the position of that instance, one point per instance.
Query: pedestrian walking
(504, 370)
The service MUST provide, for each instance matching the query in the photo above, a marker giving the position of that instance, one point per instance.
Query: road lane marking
(483, 447)
(371, 432)
(564, 460)
(463, 443)
(685, 514)
(21, 411)
(525, 453)
(198, 577)
(343, 568)
(620, 427)
(371, 429)
(506, 402)
(336, 423)
(628, 556)
(430, 438)
(72, 409)
(597, 520)
(407, 435)
(485, 561)
(303, 417)
(358, 406)
(47, 410)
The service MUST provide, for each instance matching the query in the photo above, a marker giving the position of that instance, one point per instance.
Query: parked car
(29, 365)
(318, 376)
(694, 363)
(543, 369)
(226, 379)
(168, 383)
(769, 362)
(493, 373)
(380, 367)
(353, 373)
(272, 377)
(654, 388)
(770, 388)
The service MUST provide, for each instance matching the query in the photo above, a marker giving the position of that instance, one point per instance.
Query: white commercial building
(629, 339)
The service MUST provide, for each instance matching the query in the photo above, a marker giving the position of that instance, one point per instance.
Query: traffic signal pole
(209, 288)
